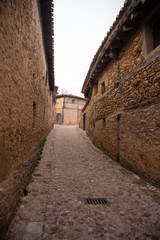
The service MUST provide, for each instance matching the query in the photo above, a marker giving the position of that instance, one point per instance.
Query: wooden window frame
(150, 36)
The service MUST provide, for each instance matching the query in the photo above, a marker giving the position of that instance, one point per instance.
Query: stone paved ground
(72, 169)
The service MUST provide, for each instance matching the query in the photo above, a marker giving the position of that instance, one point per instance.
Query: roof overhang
(47, 14)
(130, 17)
(69, 96)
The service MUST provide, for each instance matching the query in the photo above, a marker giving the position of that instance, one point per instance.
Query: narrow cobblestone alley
(72, 169)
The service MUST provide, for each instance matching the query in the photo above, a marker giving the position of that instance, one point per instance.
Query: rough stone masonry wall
(125, 120)
(25, 99)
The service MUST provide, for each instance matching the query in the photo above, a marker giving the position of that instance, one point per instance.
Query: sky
(79, 28)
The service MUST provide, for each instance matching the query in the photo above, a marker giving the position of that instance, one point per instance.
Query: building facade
(68, 109)
(27, 95)
(122, 114)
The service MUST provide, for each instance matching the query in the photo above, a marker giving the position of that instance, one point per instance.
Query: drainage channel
(96, 201)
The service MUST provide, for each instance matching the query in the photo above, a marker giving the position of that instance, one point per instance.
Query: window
(103, 87)
(151, 37)
(46, 79)
(96, 89)
(156, 34)
(34, 115)
(104, 122)
(73, 101)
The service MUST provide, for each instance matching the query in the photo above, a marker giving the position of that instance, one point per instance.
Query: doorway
(58, 120)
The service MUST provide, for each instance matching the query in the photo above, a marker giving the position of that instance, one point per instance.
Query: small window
(46, 79)
(96, 89)
(103, 87)
(73, 101)
(104, 122)
(151, 36)
(34, 115)
(156, 34)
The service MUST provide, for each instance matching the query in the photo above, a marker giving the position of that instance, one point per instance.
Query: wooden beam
(97, 70)
(139, 13)
(127, 29)
(90, 85)
(93, 74)
(134, 16)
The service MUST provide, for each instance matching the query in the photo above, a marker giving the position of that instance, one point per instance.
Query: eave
(69, 96)
(47, 15)
(126, 23)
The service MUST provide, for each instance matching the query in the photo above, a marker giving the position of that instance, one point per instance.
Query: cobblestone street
(72, 169)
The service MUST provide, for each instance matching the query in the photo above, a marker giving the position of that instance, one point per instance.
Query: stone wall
(124, 121)
(26, 114)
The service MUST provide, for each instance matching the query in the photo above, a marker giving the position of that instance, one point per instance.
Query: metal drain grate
(96, 201)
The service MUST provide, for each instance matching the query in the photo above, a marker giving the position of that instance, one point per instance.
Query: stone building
(26, 96)
(68, 109)
(122, 113)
